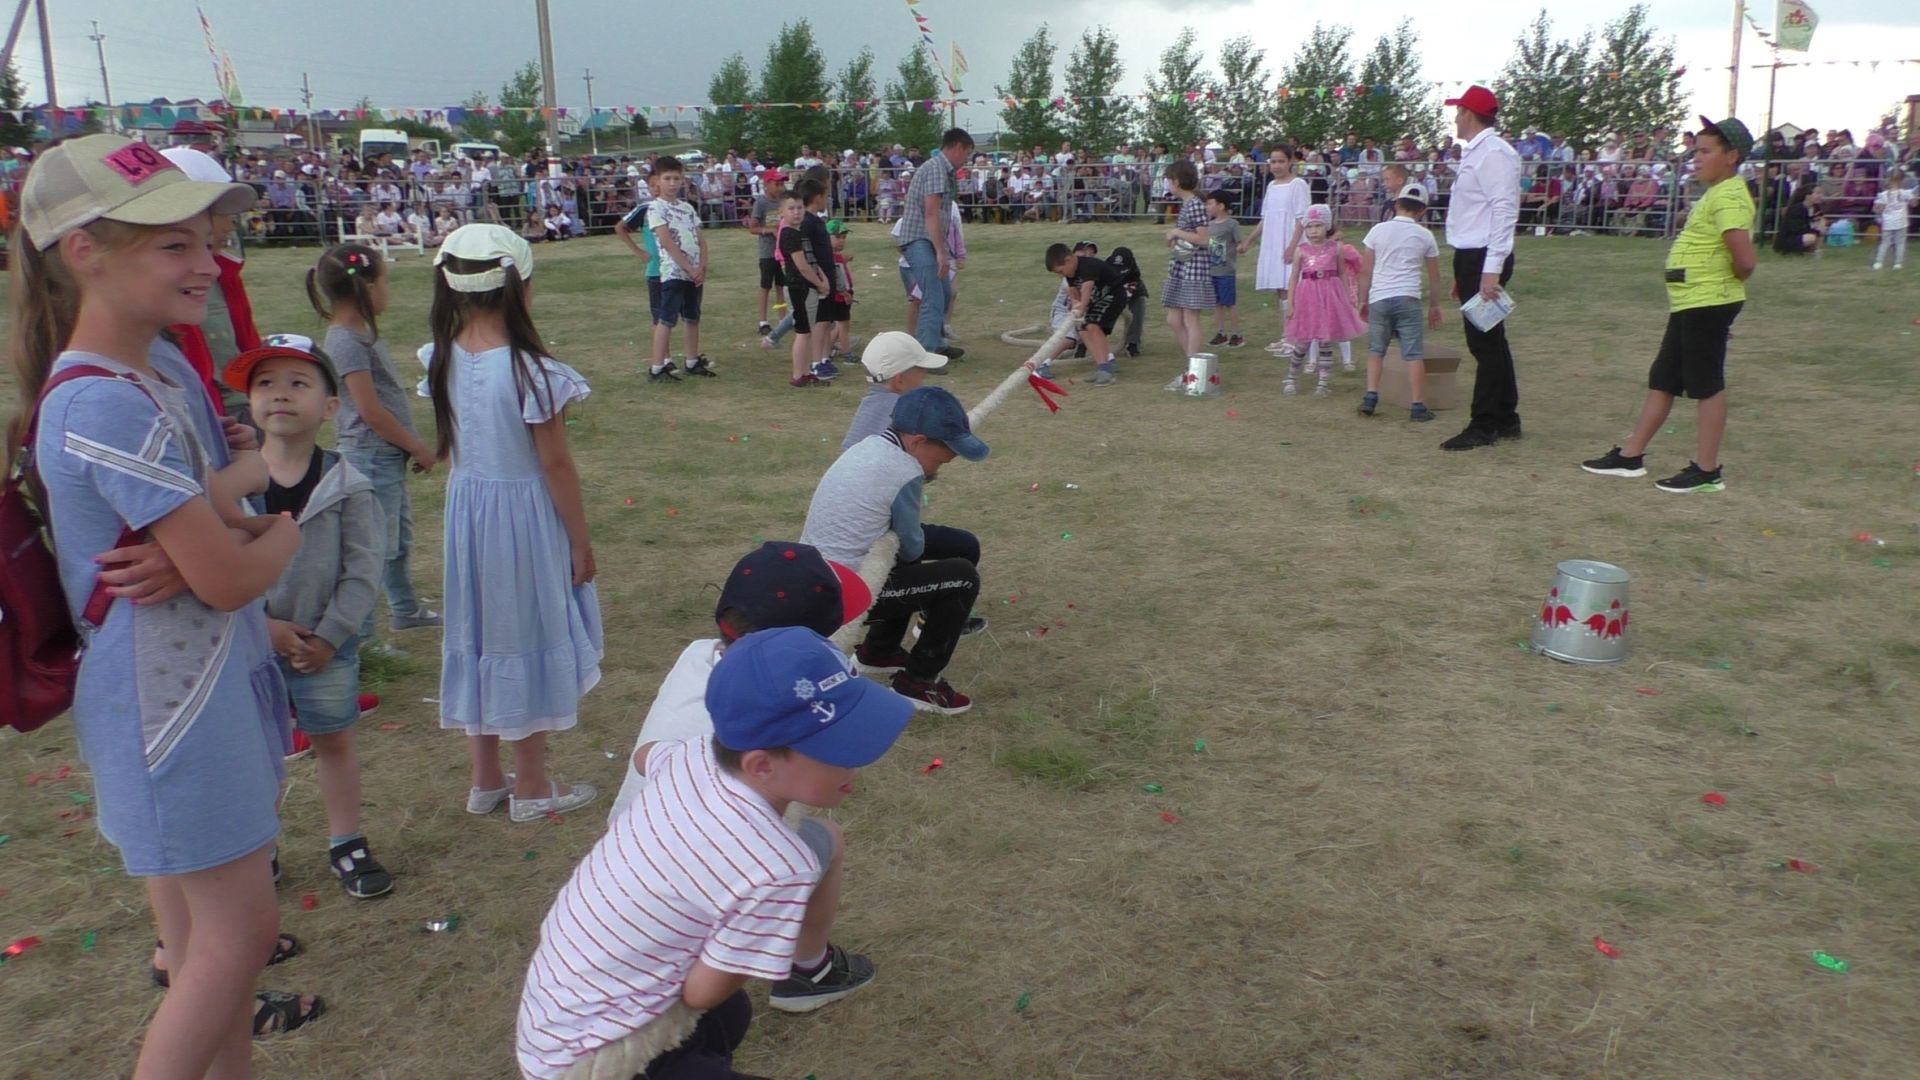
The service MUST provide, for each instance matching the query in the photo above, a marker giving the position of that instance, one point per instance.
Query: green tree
(1397, 102)
(1098, 120)
(1033, 121)
(720, 126)
(1242, 108)
(477, 125)
(913, 123)
(521, 127)
(1173, 118)
(795, 71)
(855, 128)
(1544, 85)
(1310, 111)
(13, 99)
(1631, 87)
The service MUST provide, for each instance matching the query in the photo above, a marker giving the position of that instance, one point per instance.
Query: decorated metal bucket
(1584, 620)
(1203, 375)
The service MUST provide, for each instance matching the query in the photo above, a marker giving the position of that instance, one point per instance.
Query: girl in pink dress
(1322, 302)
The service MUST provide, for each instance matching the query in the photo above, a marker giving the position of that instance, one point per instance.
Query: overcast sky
(432, 53)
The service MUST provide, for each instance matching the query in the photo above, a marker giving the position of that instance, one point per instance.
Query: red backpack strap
(99, 601)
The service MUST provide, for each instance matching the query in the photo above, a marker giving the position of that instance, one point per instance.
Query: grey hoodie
(330, 585)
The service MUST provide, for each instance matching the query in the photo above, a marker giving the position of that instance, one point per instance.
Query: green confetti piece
(79, 798)
(529, 856)
(1066, 536)
(1523, 646)
(1830, 962)
(1152, 789)
(746, 438)
(1554, 708)
(1027, 999)
(1199, 746)
(1724, 665)
(1747, 731)
(86, 943)
(4, 838)
(1883, 563)
(1514, 853)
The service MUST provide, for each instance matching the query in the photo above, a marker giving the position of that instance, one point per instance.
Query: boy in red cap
(316, 609)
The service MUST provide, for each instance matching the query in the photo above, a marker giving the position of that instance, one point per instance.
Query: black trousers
(708, 1052)
(943, 590)
(1496, 389)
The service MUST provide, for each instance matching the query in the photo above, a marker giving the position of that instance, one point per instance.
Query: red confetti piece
(1647, 691)
(1061, 623)
(33, 779)
(309, 902)
(553, 816)
(1169, 817)
(1714, 798)
(392, 725)
(78, 813)
(1034, 488)
(932, 765)
(1232, 413)
(1802, 867)
(1014, 599)
(629, 500)
(18, 947)
(1070, 607)
(63, 772)
(1041, 632)
(671, 512)
(1865, 538)
(733, 438)
(1600, 945)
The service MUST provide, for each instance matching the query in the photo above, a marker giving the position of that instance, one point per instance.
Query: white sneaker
(1322, 390)
(1289, 388)
(577, 796)
(1876, 266)
(485, 802)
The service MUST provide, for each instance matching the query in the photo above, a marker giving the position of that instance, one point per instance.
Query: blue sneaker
(1369, 401)
(825, 371)
(1045, 370)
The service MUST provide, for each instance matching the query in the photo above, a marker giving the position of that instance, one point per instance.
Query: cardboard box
(1443, 365)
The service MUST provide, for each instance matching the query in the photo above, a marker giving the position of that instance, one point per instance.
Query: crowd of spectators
(1637, 182)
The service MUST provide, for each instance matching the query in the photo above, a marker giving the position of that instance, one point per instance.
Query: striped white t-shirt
(699, 867)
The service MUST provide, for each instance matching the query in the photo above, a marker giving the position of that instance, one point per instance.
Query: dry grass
(1403, 833)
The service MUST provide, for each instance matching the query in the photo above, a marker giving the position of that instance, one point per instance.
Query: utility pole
(593, 129)
(1733, 67)
(546, 85)
(106, 88)
(313, 125)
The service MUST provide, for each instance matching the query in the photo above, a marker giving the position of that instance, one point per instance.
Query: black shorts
(678, 300)
(1104, 309)
(831, 310)
(800, 305)
(1693, 352)
(653, 298)
(769, 273)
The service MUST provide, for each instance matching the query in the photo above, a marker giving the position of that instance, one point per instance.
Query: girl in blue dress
(522, 642)
(179, 707)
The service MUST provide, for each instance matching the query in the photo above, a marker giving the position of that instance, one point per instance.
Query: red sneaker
(933, 695)
(870, 662)
(369, 704)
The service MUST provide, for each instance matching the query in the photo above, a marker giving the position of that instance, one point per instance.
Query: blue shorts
(678, 300)
(327, 702)
(1401, 317)
(653, 298)
(1226, 290)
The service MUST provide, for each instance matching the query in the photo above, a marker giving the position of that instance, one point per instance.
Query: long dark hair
(450, 314)
(343, 276)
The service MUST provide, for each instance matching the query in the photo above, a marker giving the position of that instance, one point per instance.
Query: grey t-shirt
(352, 351)
(1223, 244)
(874, 416)
(854, 503)
(767, 212)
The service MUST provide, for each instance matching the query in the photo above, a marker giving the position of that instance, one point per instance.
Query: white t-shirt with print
(684, 221)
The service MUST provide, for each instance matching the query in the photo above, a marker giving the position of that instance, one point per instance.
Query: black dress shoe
(1471, 439)
(1511, 431)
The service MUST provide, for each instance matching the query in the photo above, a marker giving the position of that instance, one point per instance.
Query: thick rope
(880, 558)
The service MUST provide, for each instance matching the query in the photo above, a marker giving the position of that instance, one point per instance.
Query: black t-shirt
(1096, 271)
(812, 237)
(293, 500)
(793, 241)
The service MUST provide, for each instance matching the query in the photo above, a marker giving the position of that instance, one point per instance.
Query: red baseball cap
(773, 172)
(1477, 99)
(239, 371)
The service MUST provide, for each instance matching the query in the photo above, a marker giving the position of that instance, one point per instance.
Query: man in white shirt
(1481, 216)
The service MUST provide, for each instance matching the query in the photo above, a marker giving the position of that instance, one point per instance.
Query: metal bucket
(1584, 619)
(1203, 376)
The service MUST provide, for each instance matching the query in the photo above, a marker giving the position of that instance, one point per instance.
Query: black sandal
(285, 948)
(279, 1012)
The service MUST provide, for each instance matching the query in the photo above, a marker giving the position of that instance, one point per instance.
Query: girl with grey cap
(180, 709)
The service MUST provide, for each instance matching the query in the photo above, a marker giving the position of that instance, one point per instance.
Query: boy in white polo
(701, 885)
(1390, 281)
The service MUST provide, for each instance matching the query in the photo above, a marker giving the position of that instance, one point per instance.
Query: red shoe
(302, 746)
(871, 662)
(933, 695)
(369, 704)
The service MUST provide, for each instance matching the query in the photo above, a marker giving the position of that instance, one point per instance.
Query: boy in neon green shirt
(1707, 269)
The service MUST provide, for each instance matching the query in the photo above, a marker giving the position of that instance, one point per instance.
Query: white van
(377, 141)
(475, 150)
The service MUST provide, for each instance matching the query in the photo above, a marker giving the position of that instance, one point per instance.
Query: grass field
(1396, 833)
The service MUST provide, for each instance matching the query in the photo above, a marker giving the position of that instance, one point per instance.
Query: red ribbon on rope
(1041, 386)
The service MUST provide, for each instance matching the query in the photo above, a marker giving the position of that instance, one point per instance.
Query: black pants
(708, 1052)
(947, 542)
(1496, 390)
(943, 590)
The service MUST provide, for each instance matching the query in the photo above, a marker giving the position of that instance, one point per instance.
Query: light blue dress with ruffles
(521, 644)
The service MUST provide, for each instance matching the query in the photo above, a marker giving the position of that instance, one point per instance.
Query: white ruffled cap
(484, 242)
(197, 164)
